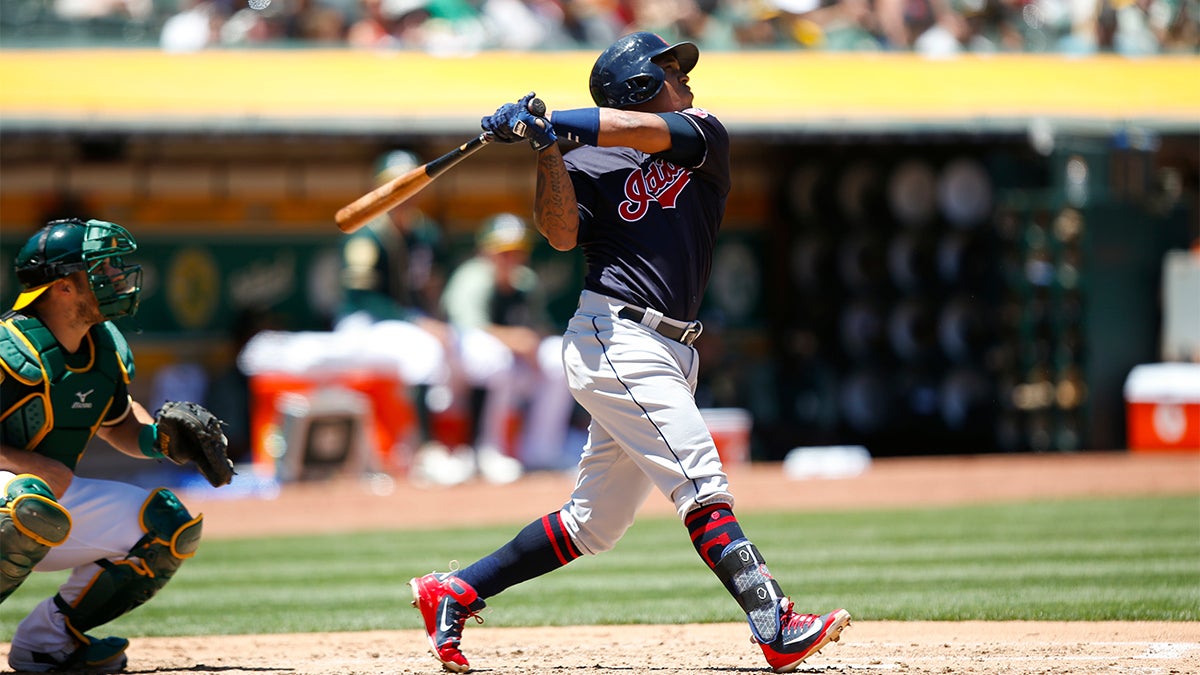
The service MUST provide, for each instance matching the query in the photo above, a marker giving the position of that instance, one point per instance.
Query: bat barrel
(395, 192)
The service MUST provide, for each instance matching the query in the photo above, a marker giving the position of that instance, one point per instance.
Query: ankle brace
(742, 570)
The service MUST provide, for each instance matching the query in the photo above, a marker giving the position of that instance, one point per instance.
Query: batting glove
(500, 123)
(538, 130)
(513, 122)
(535, 127)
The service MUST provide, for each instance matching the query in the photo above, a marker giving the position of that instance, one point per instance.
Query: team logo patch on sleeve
(698, 112)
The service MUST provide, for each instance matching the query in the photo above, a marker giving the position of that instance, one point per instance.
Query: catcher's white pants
(105, 523)
(646, 430)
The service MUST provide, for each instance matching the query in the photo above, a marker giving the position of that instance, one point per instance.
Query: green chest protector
(53, 401)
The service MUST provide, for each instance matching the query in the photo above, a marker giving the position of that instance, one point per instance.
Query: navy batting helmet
(625, 74)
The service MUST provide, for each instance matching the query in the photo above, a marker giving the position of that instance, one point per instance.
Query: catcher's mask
(626, 75)
(64, 247)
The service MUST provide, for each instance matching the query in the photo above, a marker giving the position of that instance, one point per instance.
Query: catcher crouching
(65, 369)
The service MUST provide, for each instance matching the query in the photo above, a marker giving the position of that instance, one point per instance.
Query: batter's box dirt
(867, 648)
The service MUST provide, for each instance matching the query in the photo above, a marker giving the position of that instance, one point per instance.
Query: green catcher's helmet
(64, 247)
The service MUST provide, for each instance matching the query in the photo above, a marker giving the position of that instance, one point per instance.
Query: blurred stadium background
(934, 246)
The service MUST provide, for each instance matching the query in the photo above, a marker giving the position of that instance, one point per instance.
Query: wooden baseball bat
(400, 189)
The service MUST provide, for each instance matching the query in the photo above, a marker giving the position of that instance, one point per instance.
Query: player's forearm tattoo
(555, 212)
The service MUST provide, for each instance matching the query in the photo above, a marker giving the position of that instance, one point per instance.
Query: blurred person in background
(413, 21)
(249, 25)
(930, 27)
(1143, 27)
(591, 23)
(700, 21)
(523, 25)
(195, 26)
(98, 9)
(393, 275)
(495, 302)
(442, 27)
(314, 23)
(66, 375)
(373, 28)
(388, 320)
(395, 265)
(833, 25)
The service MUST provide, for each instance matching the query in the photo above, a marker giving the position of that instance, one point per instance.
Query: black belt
(687, 334)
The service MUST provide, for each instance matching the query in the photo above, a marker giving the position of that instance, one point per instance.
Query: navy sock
(713, 528)
(542, 546)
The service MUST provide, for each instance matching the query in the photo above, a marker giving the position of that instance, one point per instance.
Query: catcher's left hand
(189, 432)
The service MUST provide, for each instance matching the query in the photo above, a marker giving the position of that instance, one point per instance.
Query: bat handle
(439, 166)
(537, 108)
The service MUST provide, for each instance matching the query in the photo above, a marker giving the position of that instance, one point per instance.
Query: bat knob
(536, 107)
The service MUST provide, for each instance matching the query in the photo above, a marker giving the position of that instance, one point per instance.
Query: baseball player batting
(642, 194)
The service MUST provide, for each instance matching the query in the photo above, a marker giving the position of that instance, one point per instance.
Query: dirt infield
(868, 648)
(915, 648)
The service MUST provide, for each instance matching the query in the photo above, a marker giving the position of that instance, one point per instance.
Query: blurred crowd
(454, 27)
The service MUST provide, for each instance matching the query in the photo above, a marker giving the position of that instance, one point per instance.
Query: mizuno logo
(82, 402)
(812, 630)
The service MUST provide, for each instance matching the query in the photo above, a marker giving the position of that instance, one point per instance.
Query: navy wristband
(581, 125)
(146, 438)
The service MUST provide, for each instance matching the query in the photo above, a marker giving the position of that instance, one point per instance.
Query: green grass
(1078, 560)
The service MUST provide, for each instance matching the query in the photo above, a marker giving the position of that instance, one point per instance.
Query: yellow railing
(759, 88)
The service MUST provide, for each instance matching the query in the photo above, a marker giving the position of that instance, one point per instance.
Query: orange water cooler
(1162, 402)
(730, 429)
(391, 415)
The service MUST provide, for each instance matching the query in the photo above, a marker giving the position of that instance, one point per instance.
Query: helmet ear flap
(645, 86)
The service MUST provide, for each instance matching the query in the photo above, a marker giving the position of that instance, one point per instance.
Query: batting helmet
(625, 74)
(64, 247)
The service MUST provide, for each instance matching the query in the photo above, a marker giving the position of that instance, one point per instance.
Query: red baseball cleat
(446, 602)
(800, 636)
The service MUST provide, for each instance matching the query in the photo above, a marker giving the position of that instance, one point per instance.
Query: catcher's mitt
(189, 432)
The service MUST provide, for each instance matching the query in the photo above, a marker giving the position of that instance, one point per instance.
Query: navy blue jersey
(647, 227)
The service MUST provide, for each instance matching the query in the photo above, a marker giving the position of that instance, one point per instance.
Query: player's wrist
(581, 125)
(148, 441)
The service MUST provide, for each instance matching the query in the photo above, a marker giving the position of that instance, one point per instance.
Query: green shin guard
(172, 536)
(31, 523)
(742, 570)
